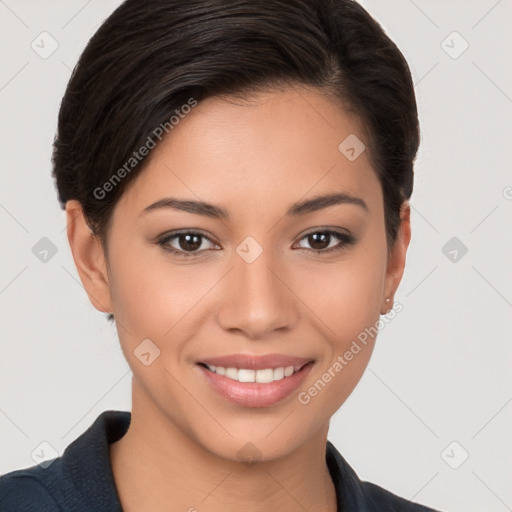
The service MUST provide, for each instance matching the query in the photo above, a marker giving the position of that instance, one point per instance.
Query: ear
(396, 259)
(89, 257)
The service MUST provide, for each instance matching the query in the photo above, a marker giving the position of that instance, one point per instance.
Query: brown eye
(189, 242)
(186, 243)
(328, 240)
(319, 241)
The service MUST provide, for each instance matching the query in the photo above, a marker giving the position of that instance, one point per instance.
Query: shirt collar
(87, 460)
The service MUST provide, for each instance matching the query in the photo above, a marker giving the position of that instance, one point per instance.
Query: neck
(156, 464)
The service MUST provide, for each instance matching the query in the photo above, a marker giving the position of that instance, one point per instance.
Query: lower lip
(256, 394)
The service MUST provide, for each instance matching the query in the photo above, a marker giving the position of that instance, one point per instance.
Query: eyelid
(327, 229)
(186, 231)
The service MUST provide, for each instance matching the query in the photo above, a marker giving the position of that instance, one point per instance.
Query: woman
(236, 177)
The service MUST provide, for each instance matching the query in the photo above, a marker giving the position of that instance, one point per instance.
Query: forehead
(274, 148)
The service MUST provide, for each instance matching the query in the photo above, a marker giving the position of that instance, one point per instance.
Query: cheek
(347, 301)
(150, 296)
(347, 296)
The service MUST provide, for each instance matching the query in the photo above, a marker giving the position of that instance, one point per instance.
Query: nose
(256, 299)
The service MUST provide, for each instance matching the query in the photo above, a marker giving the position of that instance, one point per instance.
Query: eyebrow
(217, 212)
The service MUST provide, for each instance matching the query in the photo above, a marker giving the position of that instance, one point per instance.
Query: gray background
(441, 370)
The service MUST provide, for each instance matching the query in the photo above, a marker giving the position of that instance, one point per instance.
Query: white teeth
(278, 373)
(246, 375)
(262, 376)
(265, 376)
(232, 373)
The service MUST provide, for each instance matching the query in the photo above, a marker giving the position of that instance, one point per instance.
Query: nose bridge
(255, 300)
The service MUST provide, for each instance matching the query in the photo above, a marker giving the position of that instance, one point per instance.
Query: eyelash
(345, 238)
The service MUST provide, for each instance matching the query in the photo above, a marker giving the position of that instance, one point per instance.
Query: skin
(254, 159)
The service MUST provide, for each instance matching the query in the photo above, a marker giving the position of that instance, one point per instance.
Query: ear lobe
(397, 256)
(89, 257)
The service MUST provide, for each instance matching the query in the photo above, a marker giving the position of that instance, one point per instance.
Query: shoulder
(355, 494)
(380, 499)
(22, 491)
(80, 480)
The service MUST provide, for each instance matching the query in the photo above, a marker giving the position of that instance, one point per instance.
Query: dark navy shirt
(81, 480)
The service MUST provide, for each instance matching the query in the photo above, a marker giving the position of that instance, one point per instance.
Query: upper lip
(256, 362)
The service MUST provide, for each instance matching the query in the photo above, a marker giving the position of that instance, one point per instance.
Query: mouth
(252, 381)
(262, 376)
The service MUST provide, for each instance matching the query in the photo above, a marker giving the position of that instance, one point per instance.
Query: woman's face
(267, 277)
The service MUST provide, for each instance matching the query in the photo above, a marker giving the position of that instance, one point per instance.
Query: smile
(266, 382)
(264, 376)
